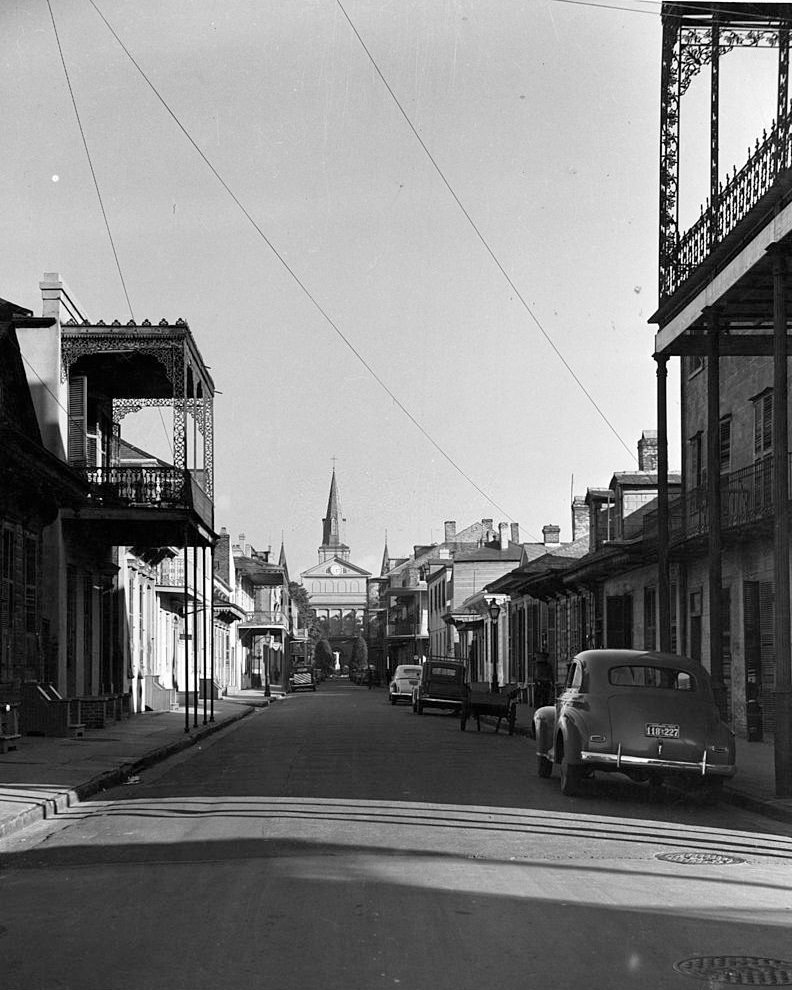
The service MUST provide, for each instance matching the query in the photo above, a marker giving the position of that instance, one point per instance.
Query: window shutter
(78, 411)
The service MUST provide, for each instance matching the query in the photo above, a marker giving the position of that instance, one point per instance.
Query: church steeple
(332, 527)
(385, 558)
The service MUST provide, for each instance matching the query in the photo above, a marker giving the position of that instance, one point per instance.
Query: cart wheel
(544, 767)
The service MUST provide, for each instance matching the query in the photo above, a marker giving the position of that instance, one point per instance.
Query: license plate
(662, 729)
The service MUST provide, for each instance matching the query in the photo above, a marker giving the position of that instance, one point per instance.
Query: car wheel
(419, 707)
(393, 700)
(463, 717)
(544, 767)
(570, 778)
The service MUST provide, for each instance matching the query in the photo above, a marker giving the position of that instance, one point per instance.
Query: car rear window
(653, 677)
(450, 672)
(408, 672)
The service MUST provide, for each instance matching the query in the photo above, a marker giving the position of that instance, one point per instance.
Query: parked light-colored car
(404, 679)
(651, 716)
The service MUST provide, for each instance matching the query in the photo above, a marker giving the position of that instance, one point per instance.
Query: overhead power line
(298, 280)
(481, 237)
(98, 196)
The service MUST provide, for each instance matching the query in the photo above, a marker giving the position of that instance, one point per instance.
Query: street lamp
(494, 610)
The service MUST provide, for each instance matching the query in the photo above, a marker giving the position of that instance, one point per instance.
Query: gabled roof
(321, 569)
(129, 453)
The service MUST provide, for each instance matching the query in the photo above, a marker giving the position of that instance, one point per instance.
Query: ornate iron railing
(275, 619)
(735, 200)
(746, 497)
(167, 487)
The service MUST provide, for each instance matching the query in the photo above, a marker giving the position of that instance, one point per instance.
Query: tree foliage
(308, 620)
(323, 656)
(359, 653)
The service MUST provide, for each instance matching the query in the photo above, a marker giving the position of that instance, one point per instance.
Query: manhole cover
(741, 971)
(700, 858)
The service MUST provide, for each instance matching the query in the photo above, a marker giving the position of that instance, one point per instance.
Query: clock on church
(335, 568)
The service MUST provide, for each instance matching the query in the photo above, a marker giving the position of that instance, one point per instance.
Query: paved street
(336, 841)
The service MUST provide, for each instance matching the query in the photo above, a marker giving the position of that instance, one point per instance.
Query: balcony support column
(186, 638)
(663, 582)
(714, 538)
(195, 637)
(782, 115)
(212, 627)
(714, 132)
(781, 618)
(204, 657)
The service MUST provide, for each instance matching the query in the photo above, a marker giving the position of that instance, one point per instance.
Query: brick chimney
(222, 555)
(551, 534)
(503, 535)
(647, 451)
(580, 517)
(450, 531)
(486, 526)
(515, 532)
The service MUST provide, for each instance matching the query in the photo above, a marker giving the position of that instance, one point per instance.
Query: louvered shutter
(767, 653)
(78, 411)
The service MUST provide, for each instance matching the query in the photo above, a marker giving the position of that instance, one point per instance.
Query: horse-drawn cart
(481, 700)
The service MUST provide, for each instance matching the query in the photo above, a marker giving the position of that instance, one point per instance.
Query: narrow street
(335, 841)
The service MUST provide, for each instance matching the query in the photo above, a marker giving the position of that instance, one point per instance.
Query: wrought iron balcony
(741, 193)
(148, 487)
(746, 498)
(265, 620)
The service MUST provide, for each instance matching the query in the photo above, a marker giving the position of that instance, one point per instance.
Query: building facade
(336, 586)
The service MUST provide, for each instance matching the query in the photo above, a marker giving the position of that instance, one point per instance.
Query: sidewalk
(45, 775)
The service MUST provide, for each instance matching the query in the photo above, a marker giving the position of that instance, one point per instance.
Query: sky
(542, 116)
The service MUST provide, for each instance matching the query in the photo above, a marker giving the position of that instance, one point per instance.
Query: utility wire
(481, 237)
(683, 8)
(309, 295)
(88, 156)
(98, 196)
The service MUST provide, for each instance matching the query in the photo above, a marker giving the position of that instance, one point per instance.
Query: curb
(730, 795)
(55, 804)
(759, 806)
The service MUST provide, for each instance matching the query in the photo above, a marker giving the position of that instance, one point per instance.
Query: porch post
(783, 672)
(714, 538)
(195, 636)
(212, 627)
(203, 625)
(186, 640)
(663, 581)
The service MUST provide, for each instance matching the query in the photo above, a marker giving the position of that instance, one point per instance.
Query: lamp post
(494, 610)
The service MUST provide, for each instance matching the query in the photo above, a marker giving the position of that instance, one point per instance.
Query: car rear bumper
(432, 699)
(617, 760)
(407, 695)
